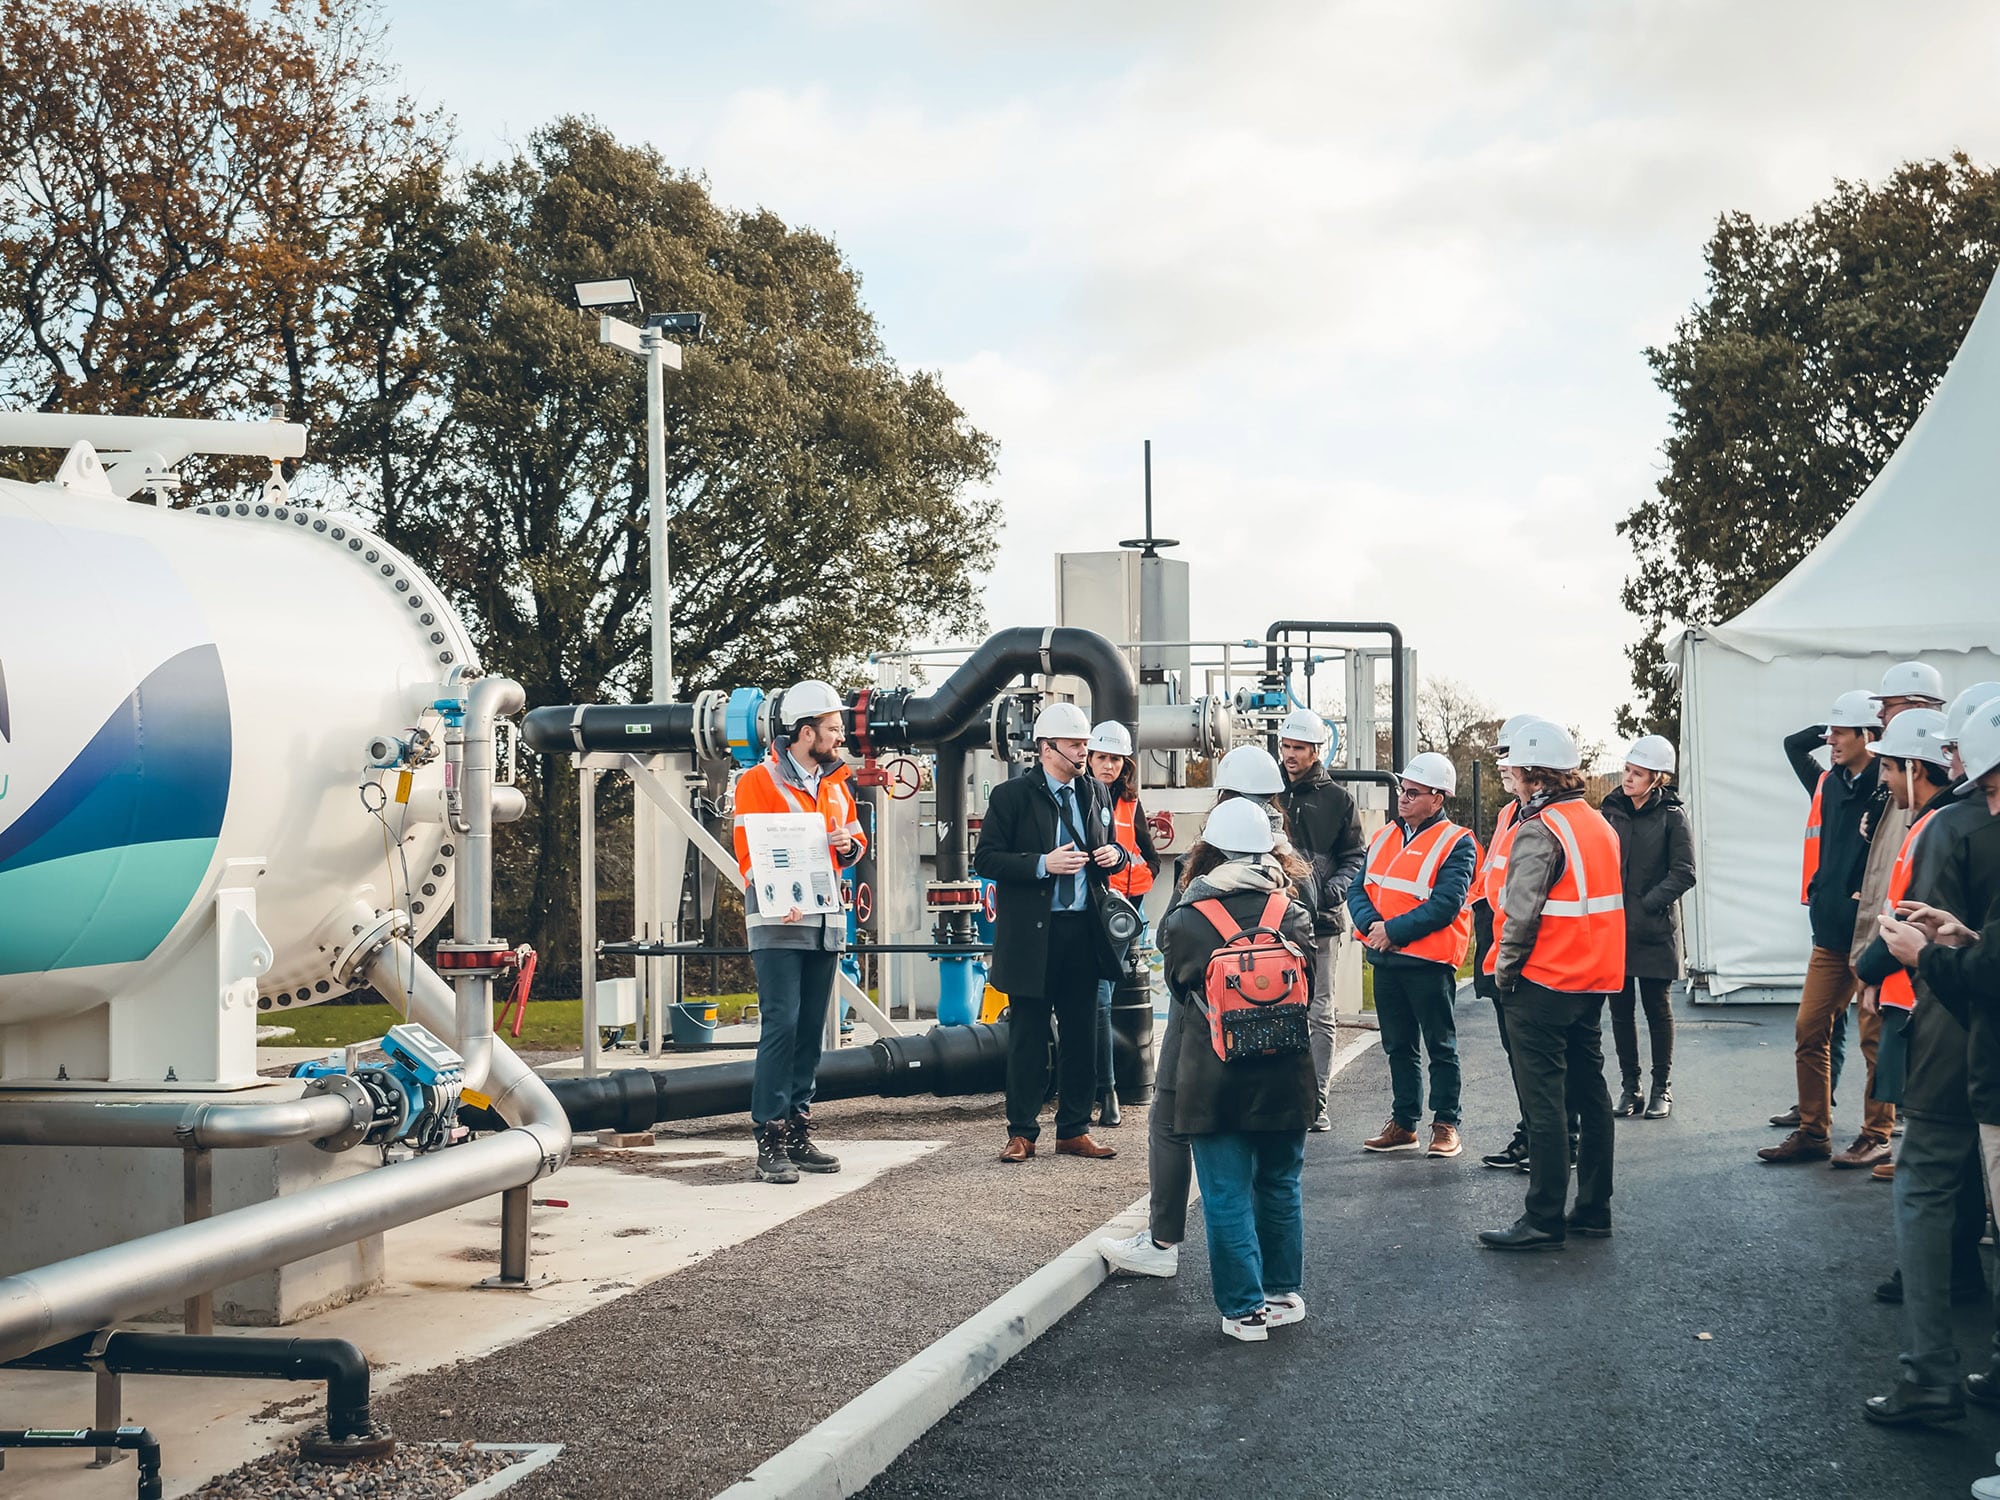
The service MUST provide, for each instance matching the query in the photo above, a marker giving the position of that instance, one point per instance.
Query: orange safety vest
(1401, 876)
(1135, 879)
(1580, 944)
(1492, 877)
(1897, 990)
(1812, 842)
(764, 789)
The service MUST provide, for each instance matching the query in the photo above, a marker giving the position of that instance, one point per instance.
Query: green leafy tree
(1818, 344)
(820, 498)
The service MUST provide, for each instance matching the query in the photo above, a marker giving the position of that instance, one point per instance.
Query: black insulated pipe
(902, 721)
(642, 728)
(945, 1061)
(139, 1441)
(349, 1433)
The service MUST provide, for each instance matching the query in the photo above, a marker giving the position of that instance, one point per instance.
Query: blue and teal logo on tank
(111, 796)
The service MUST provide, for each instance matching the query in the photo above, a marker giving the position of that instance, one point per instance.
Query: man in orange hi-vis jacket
(796, 953)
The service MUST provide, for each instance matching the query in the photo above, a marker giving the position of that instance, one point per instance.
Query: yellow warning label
(403, 779)
(476, 1099)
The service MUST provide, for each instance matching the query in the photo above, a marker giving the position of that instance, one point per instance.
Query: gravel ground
(684, 1386)
(410, 1473)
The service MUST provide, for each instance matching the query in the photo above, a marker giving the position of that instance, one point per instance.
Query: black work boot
(1661, 1102)
(1629, 1103)
(773, 1165)
(1107, 1108)
(803, 1153)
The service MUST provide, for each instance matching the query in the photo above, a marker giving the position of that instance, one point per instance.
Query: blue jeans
(794, 988)
(1256, 1224)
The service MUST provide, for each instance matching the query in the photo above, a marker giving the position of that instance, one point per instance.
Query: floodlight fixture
(616, 291)
(680, 325)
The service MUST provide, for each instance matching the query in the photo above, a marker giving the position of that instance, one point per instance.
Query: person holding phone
(1047, 835)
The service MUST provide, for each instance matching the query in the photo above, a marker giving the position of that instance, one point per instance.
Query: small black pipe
(335, 1361)
(902, 721)
(137, 1440)
(1399, 689)
(953, 862)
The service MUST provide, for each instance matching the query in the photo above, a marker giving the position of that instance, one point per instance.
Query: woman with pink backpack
(1235, 942)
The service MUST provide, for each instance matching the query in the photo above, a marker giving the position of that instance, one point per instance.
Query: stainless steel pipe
(197, 1126)
(77, 1296)
(488, 699)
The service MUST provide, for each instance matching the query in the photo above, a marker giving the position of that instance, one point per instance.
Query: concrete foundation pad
(633, 1217)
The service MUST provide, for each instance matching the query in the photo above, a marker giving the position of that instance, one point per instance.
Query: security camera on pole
(661, 855)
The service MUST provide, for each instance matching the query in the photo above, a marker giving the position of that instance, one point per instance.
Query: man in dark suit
(1046, 844)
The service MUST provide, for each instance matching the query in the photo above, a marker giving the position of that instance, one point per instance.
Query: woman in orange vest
(1113, 763)
(1561, 952)
(1409, 908)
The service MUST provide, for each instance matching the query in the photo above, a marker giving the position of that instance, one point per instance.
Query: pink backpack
(1255, 985)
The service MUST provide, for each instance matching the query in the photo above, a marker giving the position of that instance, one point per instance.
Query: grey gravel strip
(842, 1454)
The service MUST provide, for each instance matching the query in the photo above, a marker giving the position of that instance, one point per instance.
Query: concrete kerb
(842, 1454)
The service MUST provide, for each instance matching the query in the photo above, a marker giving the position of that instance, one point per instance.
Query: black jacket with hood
(1326, 829)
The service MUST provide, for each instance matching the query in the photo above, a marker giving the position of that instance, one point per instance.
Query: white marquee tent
(1912, 572)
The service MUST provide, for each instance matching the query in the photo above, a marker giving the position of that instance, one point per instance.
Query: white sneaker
(1278, 1311)
(1140, 1256)
(1252, 1328)
(1989, 1487)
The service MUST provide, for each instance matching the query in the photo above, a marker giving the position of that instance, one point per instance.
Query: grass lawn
(551, 1025)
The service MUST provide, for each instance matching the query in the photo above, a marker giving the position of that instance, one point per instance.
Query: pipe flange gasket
(361, 1108)
(366, 941)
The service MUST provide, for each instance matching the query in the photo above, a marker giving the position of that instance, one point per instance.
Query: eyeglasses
(1415, 791)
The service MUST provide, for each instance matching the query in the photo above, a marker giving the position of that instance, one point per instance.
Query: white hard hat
(1238, 826)
(1111, 737)
(1917, 733)
(1250, 771)
(1511, 728)
(808, 700)
(1963, 705)
(1855, 710)
(1061, 721)
(1979, 740)
(1912, 679)
(1303, 726)
(1432, 770)
(1544, 745)
(1651, 752)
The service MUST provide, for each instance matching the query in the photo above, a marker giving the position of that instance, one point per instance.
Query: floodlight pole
(660, 852)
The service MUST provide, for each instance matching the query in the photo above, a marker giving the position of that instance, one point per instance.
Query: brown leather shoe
(1444, 1140)
(1798, 1146)
(1083, 1145)
(1885, 1171)
(1394, 1137)
(1019, 1149)
(1866, 1151)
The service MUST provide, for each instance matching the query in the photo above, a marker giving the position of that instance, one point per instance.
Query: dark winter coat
(1021, 827)
(1966, 981)
(1848, 813)
(1326, 829)
(1656, 862)
(1211, 1097)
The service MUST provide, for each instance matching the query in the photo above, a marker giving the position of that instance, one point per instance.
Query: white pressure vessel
(187, 704)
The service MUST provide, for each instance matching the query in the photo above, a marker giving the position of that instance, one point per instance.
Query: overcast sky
(1376, 278)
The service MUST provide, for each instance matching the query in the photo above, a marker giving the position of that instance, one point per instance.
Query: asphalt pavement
(1431, 1367)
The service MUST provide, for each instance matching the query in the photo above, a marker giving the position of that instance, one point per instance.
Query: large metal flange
(317, 1448)
(364, 941)
(360, 1103)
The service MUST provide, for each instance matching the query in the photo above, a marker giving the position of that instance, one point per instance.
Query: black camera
(685, 326)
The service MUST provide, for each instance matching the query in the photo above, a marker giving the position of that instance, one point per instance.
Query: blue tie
(1066, 884)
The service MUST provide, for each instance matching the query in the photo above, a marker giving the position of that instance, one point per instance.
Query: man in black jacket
(1326, 829)
(1941, 1139)
(1847, 799)
(1046, 843)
